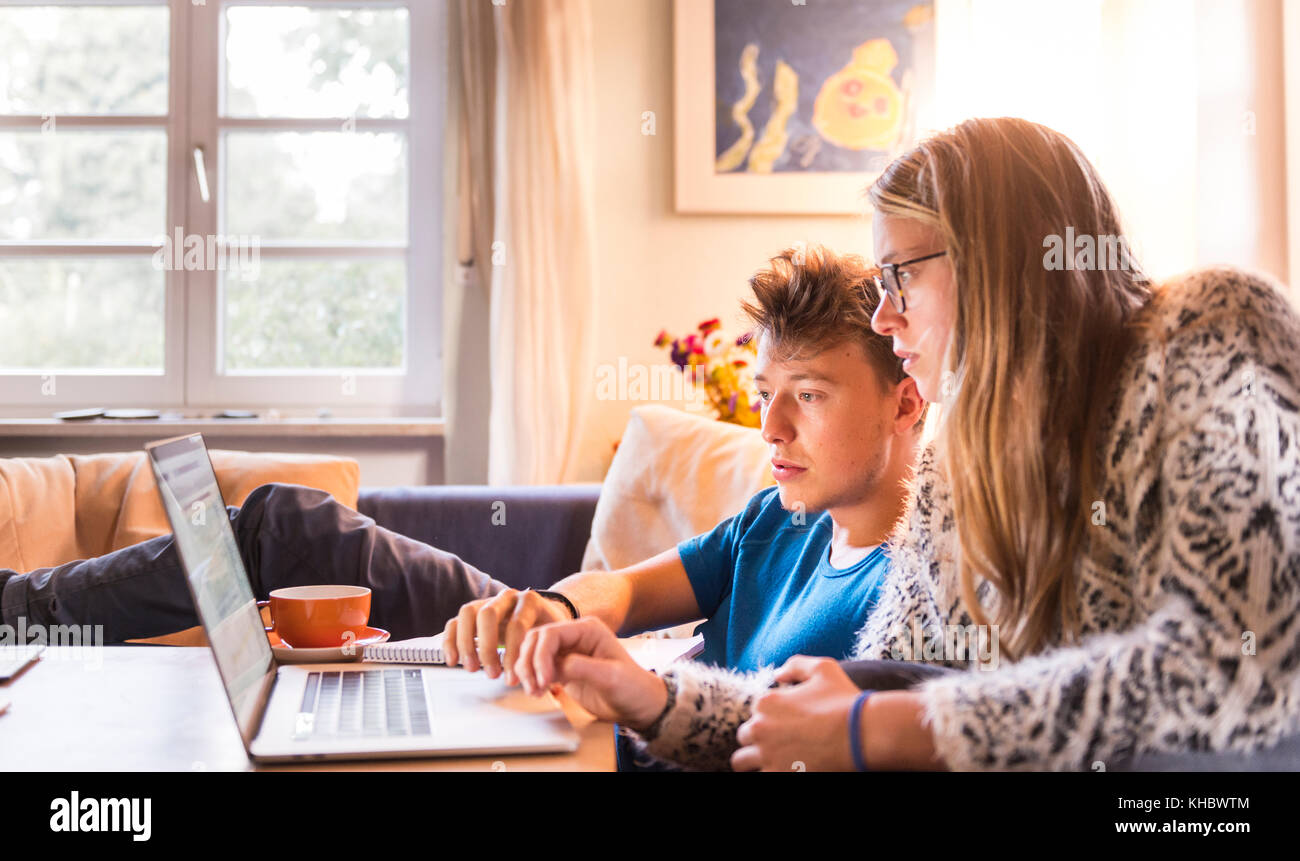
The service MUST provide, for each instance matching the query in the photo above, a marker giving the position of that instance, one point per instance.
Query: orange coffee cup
(313, 617)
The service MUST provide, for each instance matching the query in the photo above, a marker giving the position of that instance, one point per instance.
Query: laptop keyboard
(387, 702)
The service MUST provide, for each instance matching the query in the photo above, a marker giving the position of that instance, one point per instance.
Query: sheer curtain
(465, 333)
(1177, 102)
(526, 201)
(543, 279)
(1171, 99)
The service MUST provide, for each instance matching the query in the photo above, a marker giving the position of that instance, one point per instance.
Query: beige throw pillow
(674, 476)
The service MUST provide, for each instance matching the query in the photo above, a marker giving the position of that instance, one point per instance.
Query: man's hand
(802, 727)
(471, 639)
(586, 657)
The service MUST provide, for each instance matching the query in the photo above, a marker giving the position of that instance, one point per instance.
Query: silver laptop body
(352, 710)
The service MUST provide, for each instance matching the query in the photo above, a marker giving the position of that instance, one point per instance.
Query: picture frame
(801, 171)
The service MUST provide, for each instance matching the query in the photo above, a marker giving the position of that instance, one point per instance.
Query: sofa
(542, 539)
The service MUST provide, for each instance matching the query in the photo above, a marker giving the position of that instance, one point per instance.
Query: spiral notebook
(653, 653)
(418, 650)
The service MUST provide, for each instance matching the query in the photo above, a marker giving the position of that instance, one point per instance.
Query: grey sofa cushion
(522, 536)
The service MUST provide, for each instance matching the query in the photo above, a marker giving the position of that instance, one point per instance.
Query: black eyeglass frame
(890, 271)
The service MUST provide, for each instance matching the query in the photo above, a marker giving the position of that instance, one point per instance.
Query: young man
(776, 580)
(799, 568)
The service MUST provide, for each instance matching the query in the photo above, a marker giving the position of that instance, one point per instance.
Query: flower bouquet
(720, 369)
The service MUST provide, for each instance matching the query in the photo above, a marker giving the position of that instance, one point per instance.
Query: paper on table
(656, 653)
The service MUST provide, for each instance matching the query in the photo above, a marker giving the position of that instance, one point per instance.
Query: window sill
(259, 427)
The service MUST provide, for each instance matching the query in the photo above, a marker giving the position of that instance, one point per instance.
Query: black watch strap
(557, 596)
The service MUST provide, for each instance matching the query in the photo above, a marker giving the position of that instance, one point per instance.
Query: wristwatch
(557, 596)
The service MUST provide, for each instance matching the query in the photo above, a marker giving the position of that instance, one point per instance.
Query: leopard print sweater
(1188, 586)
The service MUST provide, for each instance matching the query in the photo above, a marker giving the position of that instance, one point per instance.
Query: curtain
(543, 267)
(520, 314)
(475, 29)
(1169, 98)
(465, 336)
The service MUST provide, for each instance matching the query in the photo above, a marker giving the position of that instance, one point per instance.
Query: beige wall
(658, 269)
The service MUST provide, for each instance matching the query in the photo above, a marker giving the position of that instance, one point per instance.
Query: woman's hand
(804, 727)
(586, 657)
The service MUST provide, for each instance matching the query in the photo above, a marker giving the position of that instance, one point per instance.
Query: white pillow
(674, 476)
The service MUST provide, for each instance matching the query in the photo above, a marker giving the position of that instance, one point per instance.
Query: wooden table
(162, 708)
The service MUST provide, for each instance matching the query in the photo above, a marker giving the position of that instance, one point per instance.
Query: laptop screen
(218, 581)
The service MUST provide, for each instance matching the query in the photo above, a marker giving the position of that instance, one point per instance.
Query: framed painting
(795, 106)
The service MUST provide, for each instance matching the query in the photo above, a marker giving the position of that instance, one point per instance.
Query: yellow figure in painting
(785, 101)
(859, 107)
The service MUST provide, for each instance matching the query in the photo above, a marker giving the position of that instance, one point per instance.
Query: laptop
(356, 710)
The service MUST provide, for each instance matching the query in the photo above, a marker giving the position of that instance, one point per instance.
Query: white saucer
(286, 654)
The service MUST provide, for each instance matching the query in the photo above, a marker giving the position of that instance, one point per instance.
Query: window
(222, 204)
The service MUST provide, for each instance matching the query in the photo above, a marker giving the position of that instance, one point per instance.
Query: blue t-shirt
(768, 590)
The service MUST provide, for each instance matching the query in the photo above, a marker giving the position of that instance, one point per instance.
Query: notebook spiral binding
(395, 654)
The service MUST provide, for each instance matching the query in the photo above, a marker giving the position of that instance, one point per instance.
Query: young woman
(1113, 497)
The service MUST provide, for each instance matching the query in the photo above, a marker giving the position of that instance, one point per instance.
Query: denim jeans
(288, 535)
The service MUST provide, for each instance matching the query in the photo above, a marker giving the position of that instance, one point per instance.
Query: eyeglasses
(889, 284)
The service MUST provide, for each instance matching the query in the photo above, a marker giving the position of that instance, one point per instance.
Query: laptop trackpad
(470, 707)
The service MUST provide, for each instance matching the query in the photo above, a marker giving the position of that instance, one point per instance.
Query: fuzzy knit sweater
(1189, 590)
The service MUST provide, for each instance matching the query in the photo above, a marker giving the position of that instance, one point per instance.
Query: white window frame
(40, 391)
(192, 377)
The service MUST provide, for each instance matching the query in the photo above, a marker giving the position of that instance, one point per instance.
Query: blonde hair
(1034, 355)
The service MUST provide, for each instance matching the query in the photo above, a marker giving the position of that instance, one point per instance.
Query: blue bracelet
(855, 730)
